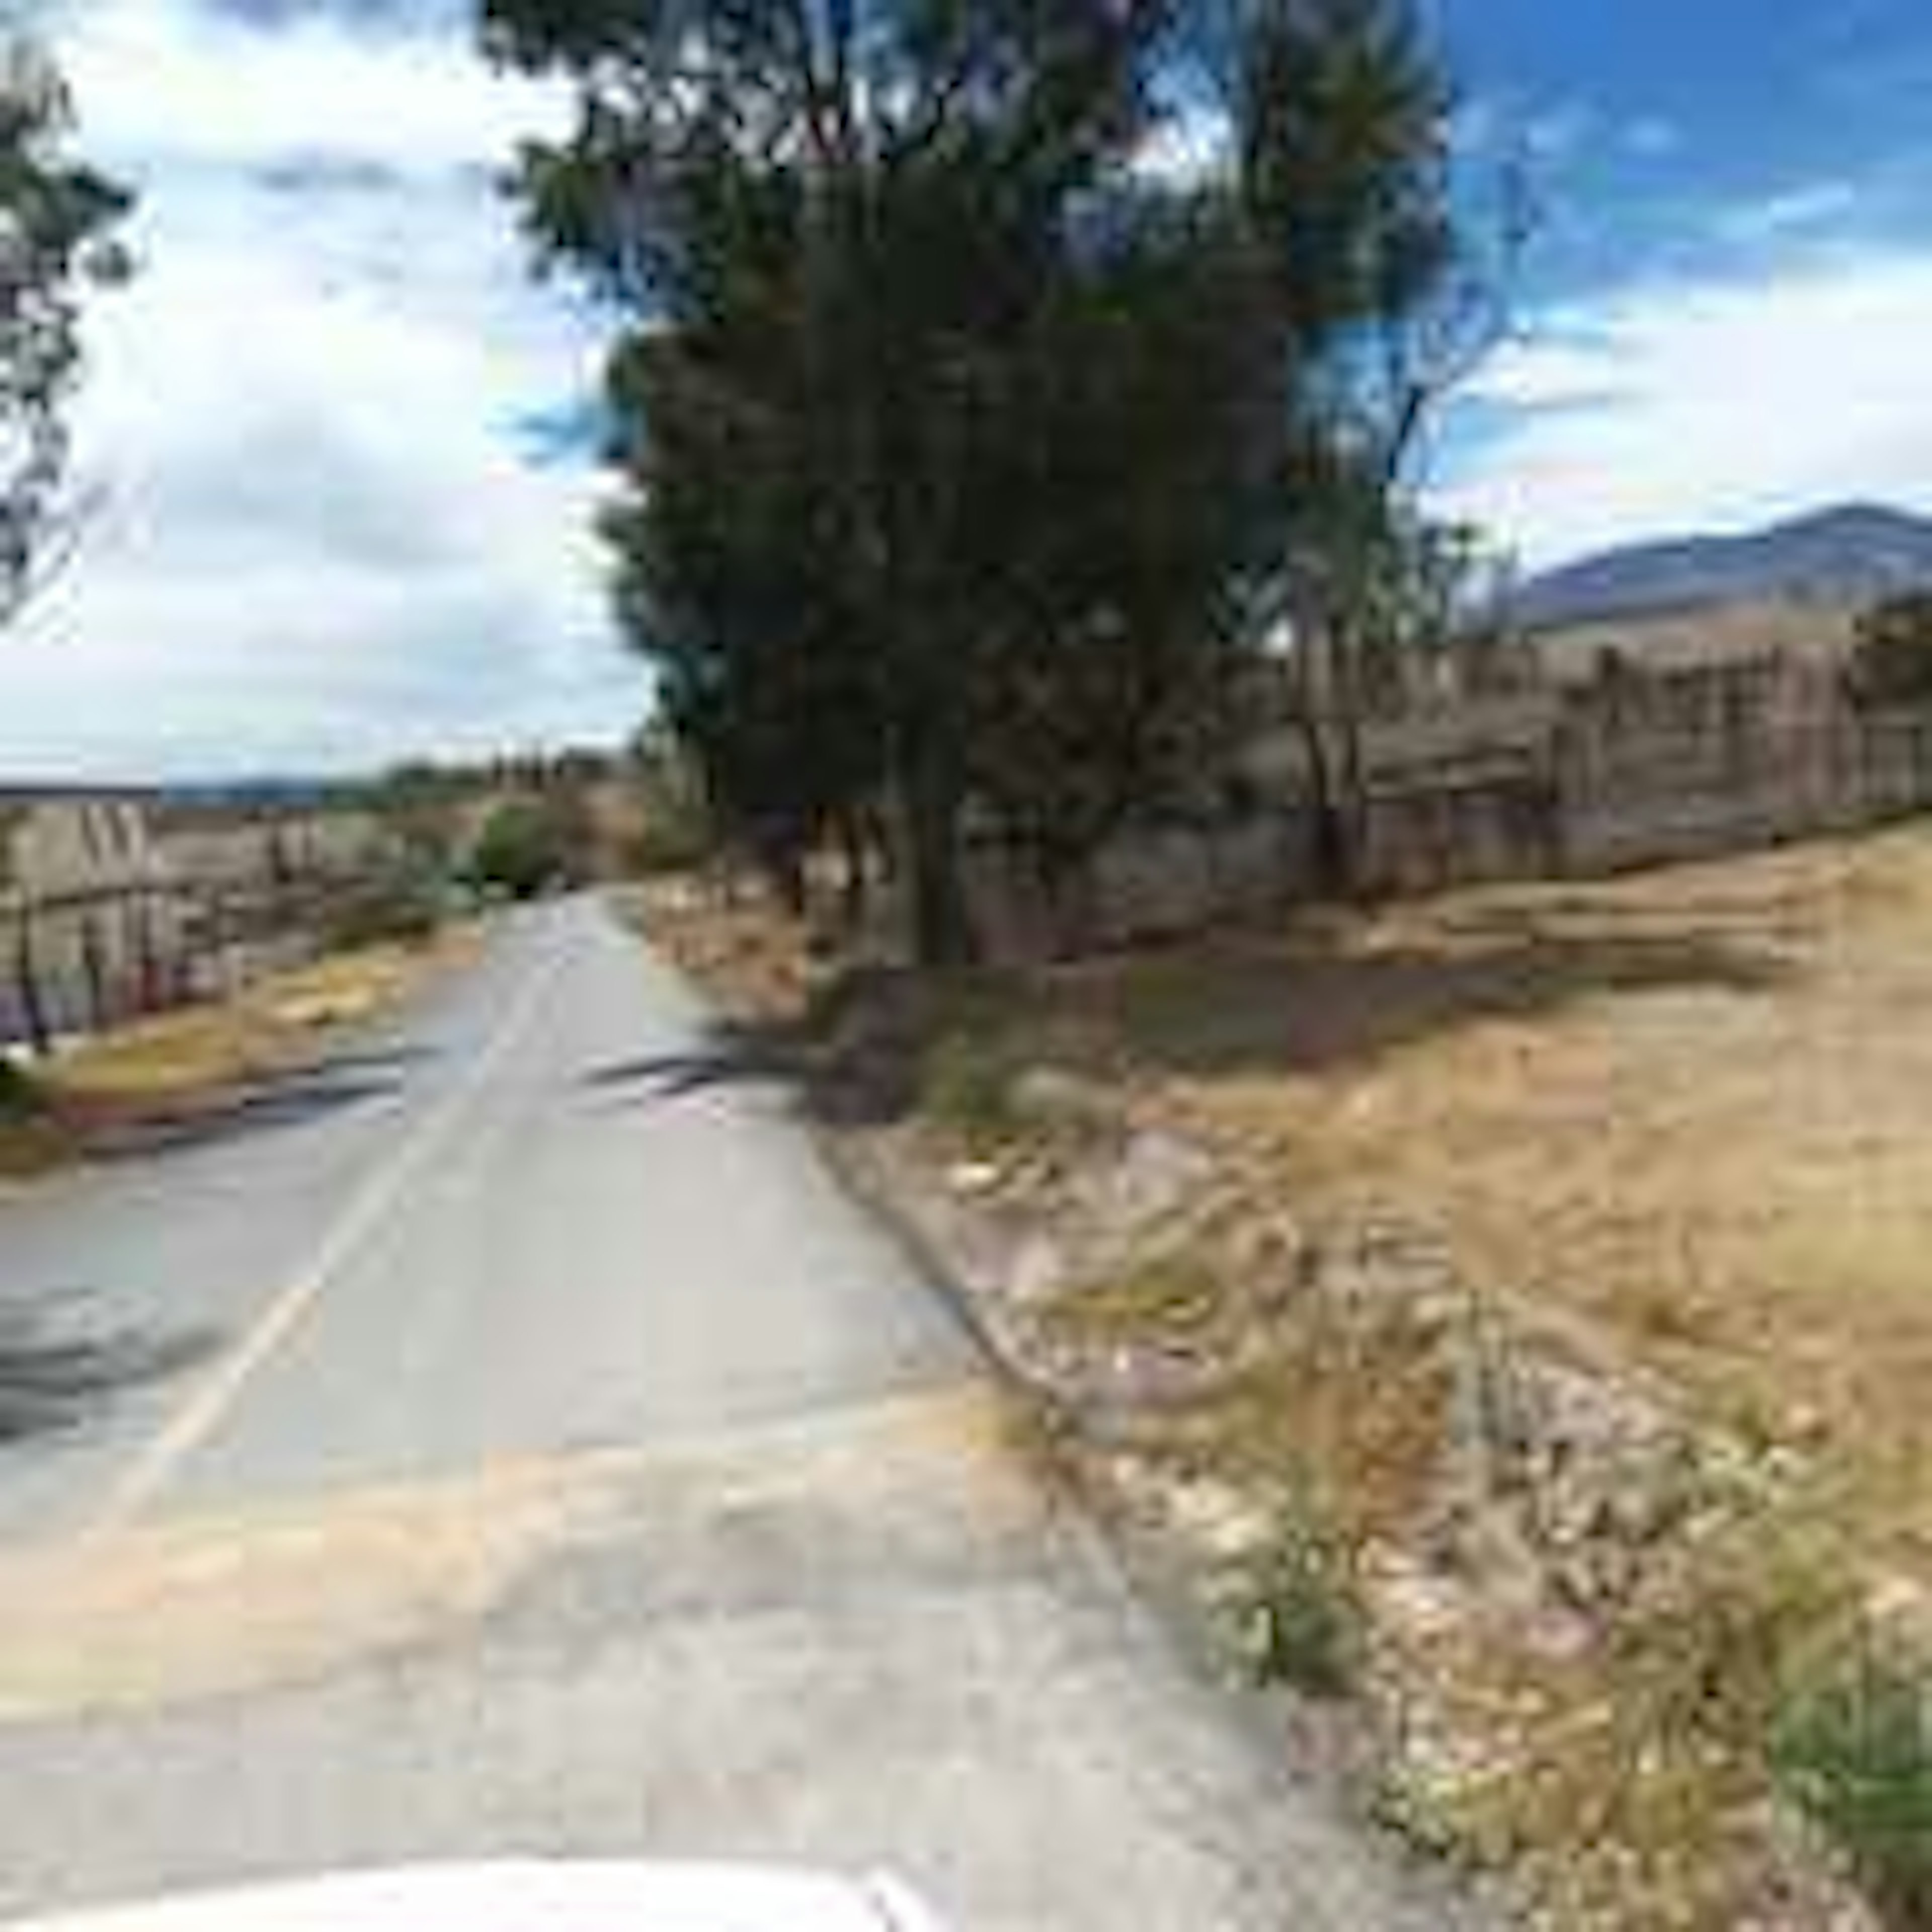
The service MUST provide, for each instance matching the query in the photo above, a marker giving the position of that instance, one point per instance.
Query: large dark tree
(57, 222)
(958, 431)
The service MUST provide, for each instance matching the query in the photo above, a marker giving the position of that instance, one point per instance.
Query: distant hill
(1849, 555)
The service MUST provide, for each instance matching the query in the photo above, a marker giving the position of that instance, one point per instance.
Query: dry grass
(202, 1049)
(1171, 1296)
(1683, 1118)
(733, 939)
(1694, 1107)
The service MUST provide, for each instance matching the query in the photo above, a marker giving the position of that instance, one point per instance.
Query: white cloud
(1809, 209)
(323, 545)
(1652, 138)
(1713, 404)
(172, 81)
(1558, 134)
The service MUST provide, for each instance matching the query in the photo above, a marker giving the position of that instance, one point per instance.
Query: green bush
(966, 1084)
(1299, 1618)
(20, 1096)
(1855, 1753)
(525, 846)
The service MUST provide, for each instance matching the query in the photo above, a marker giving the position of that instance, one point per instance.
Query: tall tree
(956, 429)
(58, 218)
(57, 223)
(1380, 304)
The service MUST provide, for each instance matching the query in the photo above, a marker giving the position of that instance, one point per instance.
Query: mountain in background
(1850, 555)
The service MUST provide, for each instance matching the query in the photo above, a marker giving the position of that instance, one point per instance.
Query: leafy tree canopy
(963, 438)
(58, 219)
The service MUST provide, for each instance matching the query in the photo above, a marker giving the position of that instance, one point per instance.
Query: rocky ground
(1543, 1605)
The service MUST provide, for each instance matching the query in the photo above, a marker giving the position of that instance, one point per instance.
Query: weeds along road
(505, 1439)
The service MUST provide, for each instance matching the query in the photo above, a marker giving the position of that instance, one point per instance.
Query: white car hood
(530, 1896)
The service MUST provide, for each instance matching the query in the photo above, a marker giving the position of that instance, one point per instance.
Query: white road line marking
(213, 1400)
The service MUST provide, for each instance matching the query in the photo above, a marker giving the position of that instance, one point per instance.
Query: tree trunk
(855, 888)
(27, 978)
(784, 865)
(1330, 854)
(1331, 726)
(94, 968)
(1069, 891)
(1352, 805)
(942, 924)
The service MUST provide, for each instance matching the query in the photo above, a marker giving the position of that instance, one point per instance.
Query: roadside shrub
(1299, 1620)
(668, 844)
(526, 846)
(1166, 1298)
(966, 1087)
(20, 1096)
(1855, 1753)
(400, 909)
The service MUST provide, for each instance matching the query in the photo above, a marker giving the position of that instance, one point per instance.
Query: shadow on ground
(52, 1382)
(1329, 992)
(1347, 993)
(282, 1101)
(730, 1056)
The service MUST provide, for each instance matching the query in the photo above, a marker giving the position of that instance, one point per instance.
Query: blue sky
(346, 520)
(1726, 313)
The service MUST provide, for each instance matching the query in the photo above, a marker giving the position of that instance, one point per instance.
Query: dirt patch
(285, 1592)
(1720, 1158)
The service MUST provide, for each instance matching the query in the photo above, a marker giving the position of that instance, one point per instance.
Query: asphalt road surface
(504, 1438)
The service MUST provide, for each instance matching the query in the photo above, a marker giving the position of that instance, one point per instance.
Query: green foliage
(966, 1087)
(20, 1096)
(526, 848)
(1299, 1621)
(1891, 660)
(1855, 1752)
(675, 832)
(57, 219)
(960, 445)
(1165, 1299)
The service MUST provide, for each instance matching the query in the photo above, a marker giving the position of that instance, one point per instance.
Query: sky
(342, 520)
(334, 527)
(1725, 314)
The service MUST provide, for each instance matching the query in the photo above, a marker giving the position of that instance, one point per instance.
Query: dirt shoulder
(163, 1072)
(1503, 1312)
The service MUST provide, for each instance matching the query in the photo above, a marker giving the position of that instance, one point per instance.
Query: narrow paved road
(505, 1439)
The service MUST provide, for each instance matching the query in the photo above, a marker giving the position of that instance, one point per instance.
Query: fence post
(27, 980)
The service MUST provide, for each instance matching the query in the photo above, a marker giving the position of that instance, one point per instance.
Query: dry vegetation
(1693, 1107)
(1555, 1306)
(170, 1065)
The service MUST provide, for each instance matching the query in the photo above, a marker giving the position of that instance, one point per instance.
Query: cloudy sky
(339, 526)
(1728, 312)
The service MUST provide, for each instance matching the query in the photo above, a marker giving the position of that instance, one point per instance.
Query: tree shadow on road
(1331, 990)
(52, 1382)
(280, 1102)
(730, 1056)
